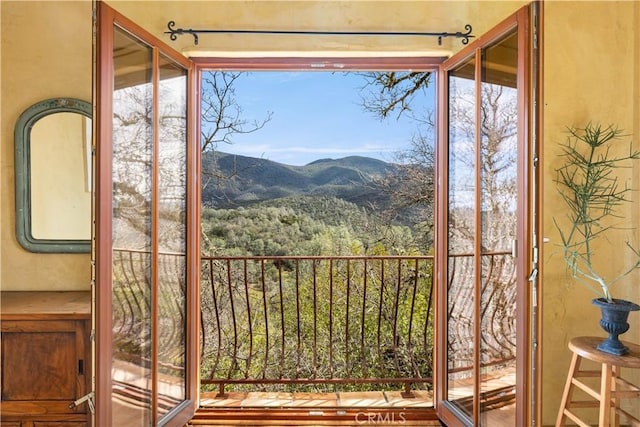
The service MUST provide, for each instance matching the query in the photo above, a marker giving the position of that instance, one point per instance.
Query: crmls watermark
(381, 418)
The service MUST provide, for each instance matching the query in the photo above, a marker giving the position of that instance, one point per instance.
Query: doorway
(481, 336)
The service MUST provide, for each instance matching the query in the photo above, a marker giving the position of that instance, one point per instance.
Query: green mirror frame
(22, 140)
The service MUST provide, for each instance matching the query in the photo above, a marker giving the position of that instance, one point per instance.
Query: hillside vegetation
(302, 225)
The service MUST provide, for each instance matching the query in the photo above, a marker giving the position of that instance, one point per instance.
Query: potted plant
(592, 193)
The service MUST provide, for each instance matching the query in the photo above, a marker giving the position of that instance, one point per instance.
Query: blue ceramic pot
(614, 322)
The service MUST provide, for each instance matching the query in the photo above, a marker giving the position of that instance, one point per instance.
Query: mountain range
(231, 180)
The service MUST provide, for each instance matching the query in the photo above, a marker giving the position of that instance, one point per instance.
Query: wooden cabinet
(45, 363)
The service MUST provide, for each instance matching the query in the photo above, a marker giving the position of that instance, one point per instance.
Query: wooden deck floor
(381, 408)
(316, 409)
(367, 399)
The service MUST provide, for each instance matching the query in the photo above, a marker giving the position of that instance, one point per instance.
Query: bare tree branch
(222, 119)
(221, 114)
(391, 90)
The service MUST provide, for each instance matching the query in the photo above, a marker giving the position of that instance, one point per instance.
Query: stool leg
(566, 395)
(605, 396)
(615, 402)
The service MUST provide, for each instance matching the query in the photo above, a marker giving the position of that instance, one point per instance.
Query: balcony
(311, 334)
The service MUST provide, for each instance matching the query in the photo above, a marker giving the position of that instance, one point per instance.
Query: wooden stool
(610, 394)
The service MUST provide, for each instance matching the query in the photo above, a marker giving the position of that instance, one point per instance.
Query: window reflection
(131, 227)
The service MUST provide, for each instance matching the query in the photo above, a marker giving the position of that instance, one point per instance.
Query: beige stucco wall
(361, 15)
(591, 69)
(46, 53)
(591, 60)
(1, 151)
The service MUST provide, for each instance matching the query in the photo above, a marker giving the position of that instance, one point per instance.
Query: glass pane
(132, 185)
(461, 232)
(499, 178)
(172, 235)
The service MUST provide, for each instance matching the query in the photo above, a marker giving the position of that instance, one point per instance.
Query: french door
(484, 200)
(146, 242)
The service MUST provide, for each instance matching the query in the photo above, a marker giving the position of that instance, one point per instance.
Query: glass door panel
(146, 241)
(498, 212)
(461, 306)
(172, 234)
(484, 209)
(132, 151)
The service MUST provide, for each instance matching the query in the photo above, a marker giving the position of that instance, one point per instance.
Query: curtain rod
(175, 32)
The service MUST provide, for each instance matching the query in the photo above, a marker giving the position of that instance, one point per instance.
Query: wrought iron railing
(132, 305)
(497, 304)
(317, 323)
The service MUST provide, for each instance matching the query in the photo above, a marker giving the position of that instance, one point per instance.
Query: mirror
(53, 176)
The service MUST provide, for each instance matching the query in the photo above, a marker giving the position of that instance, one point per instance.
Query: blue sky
(315, 115)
